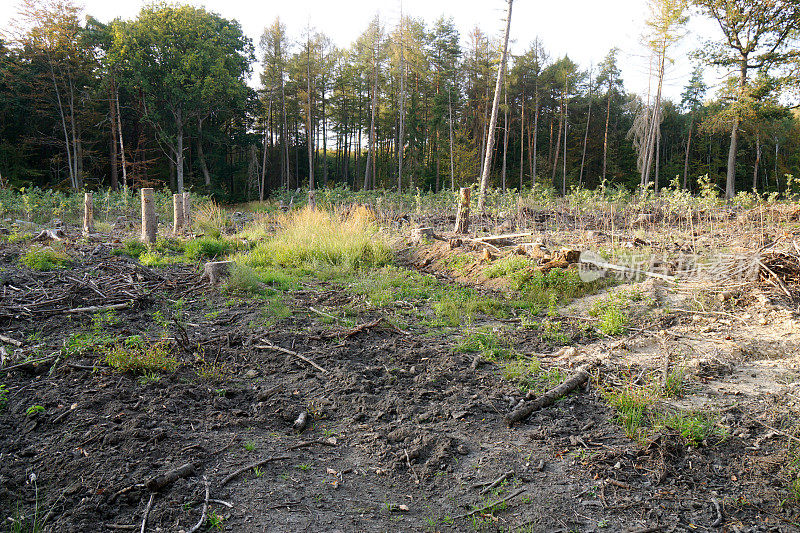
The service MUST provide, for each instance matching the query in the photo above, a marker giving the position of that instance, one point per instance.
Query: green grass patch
(641, 413)
(457, 262)
(488, 343)
(131, 248)
(246, 280)
(207, 247)
(157, 259)
(513, 265)
(44, 259)
(632, 405)
(612, 314)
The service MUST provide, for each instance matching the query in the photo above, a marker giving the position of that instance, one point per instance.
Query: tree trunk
(533, 164)
(586, 134)
(371, 148)
(558, 145)
(309, 129)
(452, 164)
(566, 127)
(179, 150)
(121, 144)
(201, 154)
(487, 163)
(758, 160)
(114, 154)
(686, 157)
(505, 139)
(608, 119)
(401, 135)
(149, 225)
(730, 182)
(522, 143)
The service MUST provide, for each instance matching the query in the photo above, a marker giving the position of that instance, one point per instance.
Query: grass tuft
(312, 240)
(207, 248)
(45, 259)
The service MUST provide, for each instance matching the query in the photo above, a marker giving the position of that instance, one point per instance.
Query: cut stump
(216, 271)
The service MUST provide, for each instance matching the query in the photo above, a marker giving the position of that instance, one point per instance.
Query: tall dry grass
(313, 239)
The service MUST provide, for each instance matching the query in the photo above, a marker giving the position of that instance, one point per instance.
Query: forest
(164, 100)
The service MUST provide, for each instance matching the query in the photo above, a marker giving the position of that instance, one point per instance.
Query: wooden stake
(462, 218)
(149, 224)
(88, 214)
(177, 213)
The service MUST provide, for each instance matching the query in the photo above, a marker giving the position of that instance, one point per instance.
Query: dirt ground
(403, 434)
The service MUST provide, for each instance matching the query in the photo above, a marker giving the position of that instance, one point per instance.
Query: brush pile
(97, 286)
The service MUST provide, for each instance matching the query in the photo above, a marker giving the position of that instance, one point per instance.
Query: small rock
(250, 374)
(463, 450)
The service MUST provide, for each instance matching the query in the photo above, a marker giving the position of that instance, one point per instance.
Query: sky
(583, 29)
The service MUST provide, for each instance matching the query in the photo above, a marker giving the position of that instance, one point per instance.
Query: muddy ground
(404, 434)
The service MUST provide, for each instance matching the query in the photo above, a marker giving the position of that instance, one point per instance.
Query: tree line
(163, 99)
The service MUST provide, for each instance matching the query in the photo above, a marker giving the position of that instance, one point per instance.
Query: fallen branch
(232, 475)
(502, 237)
(309, 443)
(147, 512)
(202, 520)
(627, 270)
(492, 504)
(270, 346)
(96, 308)
(549, 397)
(323, 313)
(9, 340)
(408, 462)
(27, 363)
(497, 481)
(156, 483)
(363, 327)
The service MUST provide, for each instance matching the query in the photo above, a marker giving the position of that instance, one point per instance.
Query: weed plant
(138, 356)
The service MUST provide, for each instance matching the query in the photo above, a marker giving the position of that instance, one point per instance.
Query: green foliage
(207, 248)
(3, 396)
(34, 410)
(157, 259)
(45, 259)
(139, 356)
(216, 521)
(132, 248)
(695, 428)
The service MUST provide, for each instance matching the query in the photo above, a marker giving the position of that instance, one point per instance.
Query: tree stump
(177, 213)
(462, 218)
(187, 210)
(149, 224)
(215, 271)
(424, 234)
(88, 214)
